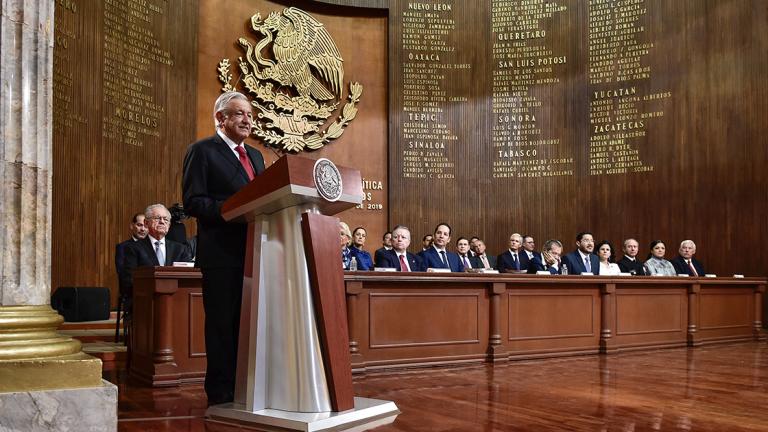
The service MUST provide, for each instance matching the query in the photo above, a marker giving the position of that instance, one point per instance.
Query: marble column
(46, 382)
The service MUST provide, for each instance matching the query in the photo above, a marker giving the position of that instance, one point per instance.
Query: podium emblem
(296, 90)
(327, 179)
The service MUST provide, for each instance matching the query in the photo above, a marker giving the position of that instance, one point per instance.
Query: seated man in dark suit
(154, 249)
(529, 247)
(582, 260)
(399, 257)
(514, 260)
(462, 248)
(386, 246)
(125, 295)
(629, 262)
(549, 260)
(473, 245)
(138, 232)
(481, 259)
(685, 263)
(426, 242)
(437, 256)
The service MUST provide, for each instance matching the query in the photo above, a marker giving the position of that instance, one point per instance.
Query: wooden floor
(713, 388)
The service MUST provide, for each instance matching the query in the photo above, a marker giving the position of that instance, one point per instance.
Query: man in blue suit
(514, 260)
(398, 257)
(437, 256)
(582, 260)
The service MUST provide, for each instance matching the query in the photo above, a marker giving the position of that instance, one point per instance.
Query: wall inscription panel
(627, 118)
(123, 78)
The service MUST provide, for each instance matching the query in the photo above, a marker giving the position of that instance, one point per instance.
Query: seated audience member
(473, 245)
(481, 259)
(685, 263)
(399, 257)
(138, 231)
(582, 260)
(437, 256)
(514, 260)
(549, 260)
(529, 246)
(426, 242)
(364, 261)
(629, 262)
(346, 252)
(605, 255)
(462, 248)
(656, 264)
(154, 249)
(386, 245)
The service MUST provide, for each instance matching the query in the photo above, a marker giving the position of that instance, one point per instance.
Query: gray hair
(148, 211)
(223, 101)
(345, 230)
(629, 240)
(549, 243)
(688, 242)
(397, 227)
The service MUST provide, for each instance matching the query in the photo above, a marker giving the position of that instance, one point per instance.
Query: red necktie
(693, 269)
(244, 162)
(403, 265)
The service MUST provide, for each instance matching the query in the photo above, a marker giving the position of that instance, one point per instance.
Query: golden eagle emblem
(298, 85)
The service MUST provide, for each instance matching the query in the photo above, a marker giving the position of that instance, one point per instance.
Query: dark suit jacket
(120, 256)
(390, 259)
(469, 260)
(212, 173)
(142, 253)
(628, 266)
(505, 264)
(379, 255)
(535, 254)
(682, 268)
(477, 263)
(537, 264)
(432, 260)
(576, 265)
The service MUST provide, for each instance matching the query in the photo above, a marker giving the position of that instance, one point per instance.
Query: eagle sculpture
(305, 56)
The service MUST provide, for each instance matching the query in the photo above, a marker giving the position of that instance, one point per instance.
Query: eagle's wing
(311, 43)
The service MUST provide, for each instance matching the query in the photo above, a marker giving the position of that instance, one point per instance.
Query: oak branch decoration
(298, 86)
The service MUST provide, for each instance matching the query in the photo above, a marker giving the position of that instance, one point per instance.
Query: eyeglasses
(160, 218)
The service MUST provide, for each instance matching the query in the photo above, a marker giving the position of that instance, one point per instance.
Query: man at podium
(214, 169)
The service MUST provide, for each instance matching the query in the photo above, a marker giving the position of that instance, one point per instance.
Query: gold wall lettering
(622, 103)
(132, 53)
(527, 68)
(372, 195)
(430, 63)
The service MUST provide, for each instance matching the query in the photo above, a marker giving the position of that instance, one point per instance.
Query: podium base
(367, 414)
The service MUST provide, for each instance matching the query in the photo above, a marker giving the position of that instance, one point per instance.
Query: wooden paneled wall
(707, 147)
(125, 76)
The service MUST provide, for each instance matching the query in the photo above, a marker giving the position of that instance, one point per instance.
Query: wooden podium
(167, 343)
(293, 366)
